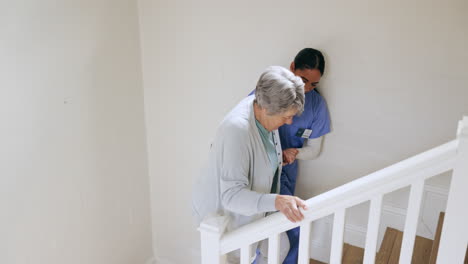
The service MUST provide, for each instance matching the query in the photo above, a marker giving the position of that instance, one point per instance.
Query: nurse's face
(275, 121)
(310, 77)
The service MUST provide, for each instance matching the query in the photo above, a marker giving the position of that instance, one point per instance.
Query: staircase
(449, 246)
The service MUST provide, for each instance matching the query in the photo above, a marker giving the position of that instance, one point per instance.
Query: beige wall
(73, 172)
(396, 84)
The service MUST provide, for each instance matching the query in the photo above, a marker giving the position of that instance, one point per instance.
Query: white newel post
(454, 237)
(211, 230)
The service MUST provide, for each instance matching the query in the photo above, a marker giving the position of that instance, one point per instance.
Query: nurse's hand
(289, 206)
(289, 155)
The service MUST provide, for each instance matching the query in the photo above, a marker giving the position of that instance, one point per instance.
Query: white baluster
(454, 236)
(245, 254)
(273, 249)
(304, 239)
(373, 229)
(211, 230)
(411, 223)
(337, 236)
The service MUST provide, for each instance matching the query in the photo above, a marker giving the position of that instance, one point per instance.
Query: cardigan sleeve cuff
(267, 203)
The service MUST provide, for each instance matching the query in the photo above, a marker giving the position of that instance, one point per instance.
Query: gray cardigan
(238, 178)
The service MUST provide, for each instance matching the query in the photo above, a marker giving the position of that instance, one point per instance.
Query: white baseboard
(319, 253)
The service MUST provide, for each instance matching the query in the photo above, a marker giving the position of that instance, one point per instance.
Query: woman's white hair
(279, 90)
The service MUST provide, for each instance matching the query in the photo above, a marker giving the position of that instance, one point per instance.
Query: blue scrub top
(316, 118)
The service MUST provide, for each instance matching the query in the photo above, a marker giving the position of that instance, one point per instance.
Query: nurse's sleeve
(311, 149)
(321, 119)
(320, 126)
(236, 196)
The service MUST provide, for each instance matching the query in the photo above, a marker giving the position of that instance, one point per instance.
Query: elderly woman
(242, 181)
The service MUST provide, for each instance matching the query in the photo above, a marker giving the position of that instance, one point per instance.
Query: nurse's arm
(311, 149)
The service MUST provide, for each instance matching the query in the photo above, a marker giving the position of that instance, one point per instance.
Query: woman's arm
(234, 160)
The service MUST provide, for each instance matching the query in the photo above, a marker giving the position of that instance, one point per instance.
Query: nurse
(302, 140)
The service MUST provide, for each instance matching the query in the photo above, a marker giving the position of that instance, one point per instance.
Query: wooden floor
(435, 245)
(351, 255)
(389, 252)
(313, 261)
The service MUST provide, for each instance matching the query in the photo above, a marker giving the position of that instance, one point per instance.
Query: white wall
(73, 170)
(396, 85)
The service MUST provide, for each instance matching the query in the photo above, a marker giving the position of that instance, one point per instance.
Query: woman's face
(310, 77)
(275, 121)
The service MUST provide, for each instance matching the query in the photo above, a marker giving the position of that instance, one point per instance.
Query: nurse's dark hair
(309, 58)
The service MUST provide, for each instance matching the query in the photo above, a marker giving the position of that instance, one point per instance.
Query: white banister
(337, 236)
(425, 165)
(245, 254)
(411, 223)
(211, 230)
(273, 249)
(454, 238)
(304, 239)
(412, 171)
(373, 229)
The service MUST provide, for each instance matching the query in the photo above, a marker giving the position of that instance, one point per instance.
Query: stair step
(386, 248)
(466, 256)
(395, 254)
(313, 261)
(422, 250)
(435, 246)
(391, 245)
(345, 248)
(352, 254)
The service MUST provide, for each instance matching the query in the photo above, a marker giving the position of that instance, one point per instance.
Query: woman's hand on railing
(289, 206)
